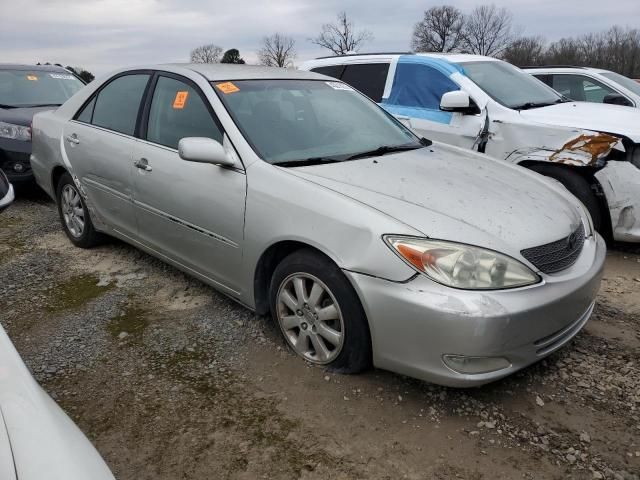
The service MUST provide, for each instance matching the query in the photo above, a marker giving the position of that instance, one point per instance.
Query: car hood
(42, 441)
(452, 194)
(614, 119)
(21, 116)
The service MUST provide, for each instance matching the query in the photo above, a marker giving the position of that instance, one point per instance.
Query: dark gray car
(24, 91)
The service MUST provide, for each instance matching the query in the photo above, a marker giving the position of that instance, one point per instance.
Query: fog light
(475, 365)
(18, 167)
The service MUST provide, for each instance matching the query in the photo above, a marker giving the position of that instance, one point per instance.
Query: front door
(100, 147)
(190, 212)
(415, 100)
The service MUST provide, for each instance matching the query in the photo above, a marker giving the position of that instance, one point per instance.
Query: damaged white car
(493, 107)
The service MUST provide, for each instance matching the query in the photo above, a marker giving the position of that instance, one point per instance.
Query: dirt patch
(171, 380)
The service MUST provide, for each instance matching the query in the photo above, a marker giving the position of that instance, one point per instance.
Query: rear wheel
(319, 313)
(582, 189)
(74, 214)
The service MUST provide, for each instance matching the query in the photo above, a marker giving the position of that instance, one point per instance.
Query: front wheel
(319, 313)
(581, 189)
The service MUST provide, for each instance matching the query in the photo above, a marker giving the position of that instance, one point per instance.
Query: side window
(368, 78)
(581, 88)
(86, 114)
(419, 86)
(117, 104)
(544, 78)
(334, 71)
(177, 111)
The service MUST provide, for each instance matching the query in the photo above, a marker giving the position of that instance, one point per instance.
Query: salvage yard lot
(171, 380)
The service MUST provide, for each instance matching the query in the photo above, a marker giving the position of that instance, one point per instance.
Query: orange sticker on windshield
(227, 87)
(33, 78)
(180, 100)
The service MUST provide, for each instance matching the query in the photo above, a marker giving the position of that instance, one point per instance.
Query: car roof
(222, 71)
(459, 57)
(564, 68)
(33, 68)
(448, 58)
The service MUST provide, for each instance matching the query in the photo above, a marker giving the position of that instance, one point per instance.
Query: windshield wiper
(529, 105)
(306, 162)
(384, 149)
(36, 105)
(7, 106)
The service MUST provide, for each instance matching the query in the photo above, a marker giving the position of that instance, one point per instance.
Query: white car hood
(453, 194)
(42, 441)
(598, 117)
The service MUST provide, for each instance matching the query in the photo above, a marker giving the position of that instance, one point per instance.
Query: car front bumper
(416, 323)
(620, 183)
(14, 160)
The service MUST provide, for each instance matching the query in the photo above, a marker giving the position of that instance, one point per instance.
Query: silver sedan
(297, 196)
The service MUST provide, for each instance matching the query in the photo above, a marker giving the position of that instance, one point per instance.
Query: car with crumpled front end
(24, 91)
(490, 106)
(299, 197)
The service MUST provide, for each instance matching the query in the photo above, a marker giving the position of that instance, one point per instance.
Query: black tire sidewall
(89, 235)
(356, 350)
(580, 188)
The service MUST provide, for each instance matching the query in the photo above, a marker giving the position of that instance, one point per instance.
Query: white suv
(490, 106)
(585, 84)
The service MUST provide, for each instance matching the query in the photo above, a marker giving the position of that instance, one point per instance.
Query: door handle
(142, 164)
(73, 139)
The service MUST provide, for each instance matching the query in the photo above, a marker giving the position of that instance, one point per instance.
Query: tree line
(485, 30)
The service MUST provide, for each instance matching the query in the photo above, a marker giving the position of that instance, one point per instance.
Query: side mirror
(204, 150)
(458, 101)
(616, 99)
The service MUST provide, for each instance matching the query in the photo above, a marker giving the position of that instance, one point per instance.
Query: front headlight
(462, 266)
(15, 132)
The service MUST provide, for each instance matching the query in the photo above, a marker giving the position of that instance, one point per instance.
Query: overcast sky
(104, 34)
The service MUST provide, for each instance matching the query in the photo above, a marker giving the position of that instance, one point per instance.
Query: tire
(304, 329)
(74, 215)
(581, 189)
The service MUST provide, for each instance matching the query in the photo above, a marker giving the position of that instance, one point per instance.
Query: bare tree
(487, 30)
(525, 51)
(341, 37)
(439, 30)
(206, 54)
(277, 51)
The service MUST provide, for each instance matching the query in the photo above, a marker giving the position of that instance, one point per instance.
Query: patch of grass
(74, 293)
(132, 321)
(9, 248)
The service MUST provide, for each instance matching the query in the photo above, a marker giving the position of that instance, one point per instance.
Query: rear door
(190, 212)
(100, 144)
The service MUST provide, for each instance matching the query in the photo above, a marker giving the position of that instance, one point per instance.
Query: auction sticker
(32, 78)
(61, 76)
(339, 86)
(180, 100)
(227, 87)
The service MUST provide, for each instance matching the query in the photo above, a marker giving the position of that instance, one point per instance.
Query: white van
(493, 107)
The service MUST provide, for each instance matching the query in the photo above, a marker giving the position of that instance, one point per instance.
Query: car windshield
(510, 86)
(31, 88)
(626, 82)
(311, 121)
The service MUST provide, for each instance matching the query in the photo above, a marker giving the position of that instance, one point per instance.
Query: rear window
(368, 78)
(32, 88)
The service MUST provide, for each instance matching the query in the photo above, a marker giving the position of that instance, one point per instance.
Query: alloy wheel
(310, 318)
(72, 211)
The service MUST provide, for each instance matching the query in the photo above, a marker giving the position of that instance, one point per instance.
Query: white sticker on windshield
(339, 86)
(61, 76)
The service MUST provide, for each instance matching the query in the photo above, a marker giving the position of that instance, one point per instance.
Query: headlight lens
(462, 266)
(15, 132)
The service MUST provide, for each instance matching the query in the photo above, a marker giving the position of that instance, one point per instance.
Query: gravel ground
(171, 380)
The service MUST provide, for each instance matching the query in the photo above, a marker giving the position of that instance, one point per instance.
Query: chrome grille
(558, 255)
